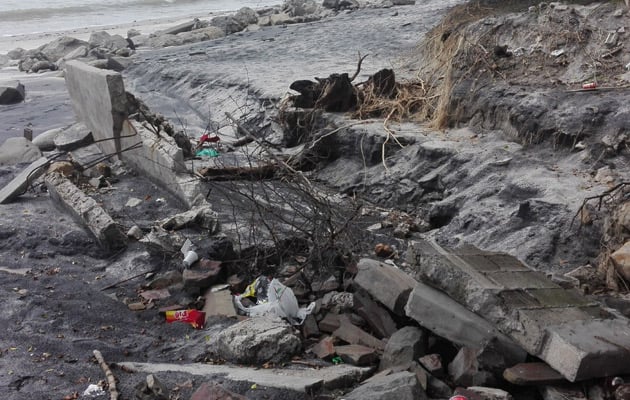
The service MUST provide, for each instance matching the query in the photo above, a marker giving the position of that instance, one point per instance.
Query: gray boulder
(43, 65)
(12, 94)
(258, 340)
(246, 16)
(45, 141)
(228, 24)
(16, 54)
(403, 347)
(77, 136)
(103, 39)
(399, 386)
(165, 40)
(31, 58)
(60, 47)
(18, 150)
(201, 35)
(300, 8)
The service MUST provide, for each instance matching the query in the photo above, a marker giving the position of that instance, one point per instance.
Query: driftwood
(111, 380)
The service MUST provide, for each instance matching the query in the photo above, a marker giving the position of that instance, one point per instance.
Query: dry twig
(111, 380)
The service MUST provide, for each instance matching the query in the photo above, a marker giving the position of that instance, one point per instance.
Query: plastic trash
(207, 152)
(190, 255)
(258, 289)
(280, 302)
(195, 318)
(94, 391)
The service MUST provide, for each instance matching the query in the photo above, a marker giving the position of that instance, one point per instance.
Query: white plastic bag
(281, 302)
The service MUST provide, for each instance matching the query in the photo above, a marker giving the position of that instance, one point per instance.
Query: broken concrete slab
(16, 150)
(86, 211)
(399, 386)
(379, 319)
(218, 302)
(75, 137)
(324, 348)
(571, 333)
(445, 317)
(20, 183)
(99, 101)
(258, 340)
(301, 380)
(464, 369)
(534, 373)
(404, 346)
(385, 283)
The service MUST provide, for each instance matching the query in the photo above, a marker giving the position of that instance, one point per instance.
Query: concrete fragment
(403, 347)
(85, 210)
(258, 340)
(138, 306)
(399, 386)
(432, 363)
(464, 369)
(218, 302)
(309, 327)
(215, 392)
(158, 294)
(202, 276)
(354, 335)
(324, 348)
(379, 319)
(566, 392)
(203, 216)
(385, 283)
(356, 354)
(100, 102)
(16, 150)
(534, 373)
(330, 323)
(488, 393)
(20, 183)
(304, 380)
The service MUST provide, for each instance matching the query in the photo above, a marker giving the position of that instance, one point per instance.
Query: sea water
(28, 17)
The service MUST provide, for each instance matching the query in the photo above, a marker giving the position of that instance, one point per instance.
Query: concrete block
(75, 137)
(355, 354)
(379, 319)
(385, 283)
(86, 211)
(100, 102)
(20, 183)
(399, 386)
(403, 347)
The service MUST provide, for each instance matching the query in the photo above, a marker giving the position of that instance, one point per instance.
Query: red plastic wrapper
(195, 318)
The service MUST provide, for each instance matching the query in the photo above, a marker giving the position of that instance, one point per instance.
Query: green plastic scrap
(208, 152)
(337, 360)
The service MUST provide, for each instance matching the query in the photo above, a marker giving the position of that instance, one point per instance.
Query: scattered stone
(338, 302)
(403, 347)
(433, 364)
(325, 348)
(135, 232)
(73, 138)
(203, 216)
(215, 392)
(137, 306)
(355, 335)
(534, 373)
(437, 389)
(65, 168)
(205, 275)
(16, 150)
(158, 294)
(329, 323)
(246, 16)
(133, 202)
(356, 354)
(20, 183)
(487, 393)
(12, 94)
(378, 319)
(399, 386)
(151, 389)
(45, 141)
(567, 392)
(102, 39)
(383, 250)
(258, 340)
(165, 280)
(385, 283)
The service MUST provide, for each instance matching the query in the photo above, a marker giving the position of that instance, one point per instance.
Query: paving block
(20, 183)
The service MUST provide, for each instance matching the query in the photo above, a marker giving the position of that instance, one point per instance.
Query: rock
(437, 389)
(258, 340)
(31, 58)
(348, 4)
(331, 4)
(151, 389)
(310, 328)
(403, 2)
(135, 232)
(205, 275)
(300, 8)
(385, 283)
(215, 392)
(280, 19)
(398, 386)
(65, 168)
(325, 348)
(246, 16)
(20, 183)
(12, 94)
(165, 280)
(75, 137)
(338, 302)
(45, 141)
(200, 35)
(61, 47)
(330, 323)
(17, 150)
(228, 24)
(534, 373)
(218, 301)
(43, 65)
(16, 53)
(139, 306)
(621, 260)
(404, 346)
(356, 354)
(202, 216)
(573, 392)
(103, 39)
(183, 27)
